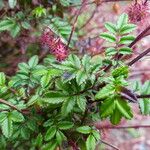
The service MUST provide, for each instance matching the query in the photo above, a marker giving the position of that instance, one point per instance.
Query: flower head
(138, 11)
(55, 45)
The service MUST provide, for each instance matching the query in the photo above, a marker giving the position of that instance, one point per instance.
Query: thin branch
(10, 105)
(143, 96)
(123, 127)
(73, 26)
(139, 57)
(108, 144)
(140, 36)
(91, 17)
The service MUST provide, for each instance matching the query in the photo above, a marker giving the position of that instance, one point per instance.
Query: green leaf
(50, 146)
(145, 106)
(14, 31)
(33, 100)
(125, 51)
(81, 77)
(75, 60)
(90, 143)
(40, 72)
(2, 79)
(86, 62)
(116, 117)
(50, 133)
(127, 28)
(39, 140)
(104, 92)
(68, 106)
(26, 25)
(54, 97)
(33, 61)
(6, 24)
(111, 51)
(24, 67)
(96, 134)
(107, 107)
(110, 27)
(124, 108)
(145, 102)
(17, 116)
(81, 101)
(2, 116)
(12, 3)
(60, 137)
(65, 125)
(107, 36)
(84, 129)
(123, 20)
(126, 39)
(121, 71)
(7, 127)
(45, 80)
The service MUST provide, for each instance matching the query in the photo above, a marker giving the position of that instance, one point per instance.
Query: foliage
(57, 102)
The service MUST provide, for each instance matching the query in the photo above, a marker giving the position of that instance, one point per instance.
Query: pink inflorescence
(55, 45)
(138, 11)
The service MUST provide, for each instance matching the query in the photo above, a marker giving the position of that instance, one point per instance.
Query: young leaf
(111, 51)
(96, 134)
(84, 129)
(107, 107)
(127, 28)
(124, 108)
(123, 20)
(125, 51)
(65, 125)
(50, 133)
(90, 143)
(110, 27)
(126, 39)
(107, 36)
(33, 61)
(121, 71)
(116, 117)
